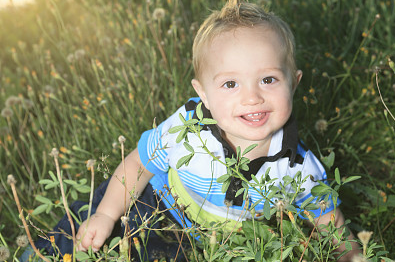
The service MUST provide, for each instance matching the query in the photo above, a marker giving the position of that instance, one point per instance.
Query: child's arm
(112, 206)
(339, 221)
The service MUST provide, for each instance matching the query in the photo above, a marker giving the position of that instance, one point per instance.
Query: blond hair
(236, 14)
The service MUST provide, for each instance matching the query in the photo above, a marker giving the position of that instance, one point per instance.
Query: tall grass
(77, 74)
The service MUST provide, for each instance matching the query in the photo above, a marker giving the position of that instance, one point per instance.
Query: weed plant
(76, 74)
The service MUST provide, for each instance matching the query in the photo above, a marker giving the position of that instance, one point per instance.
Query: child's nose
(252, 95)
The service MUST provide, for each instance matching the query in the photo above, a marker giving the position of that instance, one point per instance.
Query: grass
(77, 74)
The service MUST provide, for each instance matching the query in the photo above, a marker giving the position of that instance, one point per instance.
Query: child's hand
(94, 232)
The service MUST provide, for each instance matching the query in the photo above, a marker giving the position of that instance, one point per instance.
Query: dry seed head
(4, 253)
(321, 126)
(22, 241)
(121, 139)
(158, 14)
(125, 220)
(11, 180)
(54, 152)
(365, 236)
(90, 163)
(12, 100)
(280, 205)
(323, 205)
(7, 112)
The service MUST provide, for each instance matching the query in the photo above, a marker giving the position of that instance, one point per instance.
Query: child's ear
(200, 91)
(298, 77)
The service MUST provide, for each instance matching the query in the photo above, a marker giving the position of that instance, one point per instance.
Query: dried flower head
(4, 253)
(121, 139)
(22, 241)
(49, 89)
(280, 205)
(228, 203)
(323, 205)
(125, 220)
(158, 14)
(11, 179)
(90, 163)
(79, 54)
(54, 152)
(321, 126)
(27, 104)
(12, 100)
(365, 236)
(7, 112)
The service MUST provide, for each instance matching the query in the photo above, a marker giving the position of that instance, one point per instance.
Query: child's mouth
(255, 117)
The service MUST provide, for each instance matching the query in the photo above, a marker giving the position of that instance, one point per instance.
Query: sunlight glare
(9, 3)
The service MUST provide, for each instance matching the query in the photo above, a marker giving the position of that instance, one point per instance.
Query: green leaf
(182, 118)
(254, 178)
(225, 186)
(223, 178)
(43, 200)
(244, 167)
(191, 122)
(208, 121)
(176, 129)
(238, 152)
(114, 242)
(83, 189)
(199, 111)
(70, 182)
(39, 209)
(74, 195)
(184, 160)
(51, 185)
(320, 189)
(306, 202)
(266, 210)
(311, 206)
(230, 161)
(337, 176)
(188, 147)
(181, 135)
(351, 178)
(239, 192)
(52, 176)
(328, 160)
(249, 148)
(287, 252)
(257, 202)
(82, 256)
(45, 181)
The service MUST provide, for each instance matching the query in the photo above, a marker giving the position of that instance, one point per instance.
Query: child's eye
(268, 80)
(230, 84)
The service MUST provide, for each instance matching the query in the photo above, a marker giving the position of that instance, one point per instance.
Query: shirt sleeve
(154, 145)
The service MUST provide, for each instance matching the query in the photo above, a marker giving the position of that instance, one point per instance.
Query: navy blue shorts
(158, 245)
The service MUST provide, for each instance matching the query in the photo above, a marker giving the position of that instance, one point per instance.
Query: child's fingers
(87, 240)
(99, 239)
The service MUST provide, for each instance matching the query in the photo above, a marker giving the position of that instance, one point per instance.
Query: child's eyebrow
(262, 71)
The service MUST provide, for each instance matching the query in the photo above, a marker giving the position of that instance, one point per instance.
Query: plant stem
(16, 198)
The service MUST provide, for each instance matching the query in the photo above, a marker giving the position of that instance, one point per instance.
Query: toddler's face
(246, 85)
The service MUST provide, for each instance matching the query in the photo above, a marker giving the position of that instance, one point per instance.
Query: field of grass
(77, 74)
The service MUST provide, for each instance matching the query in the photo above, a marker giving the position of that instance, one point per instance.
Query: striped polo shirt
(196, 184)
